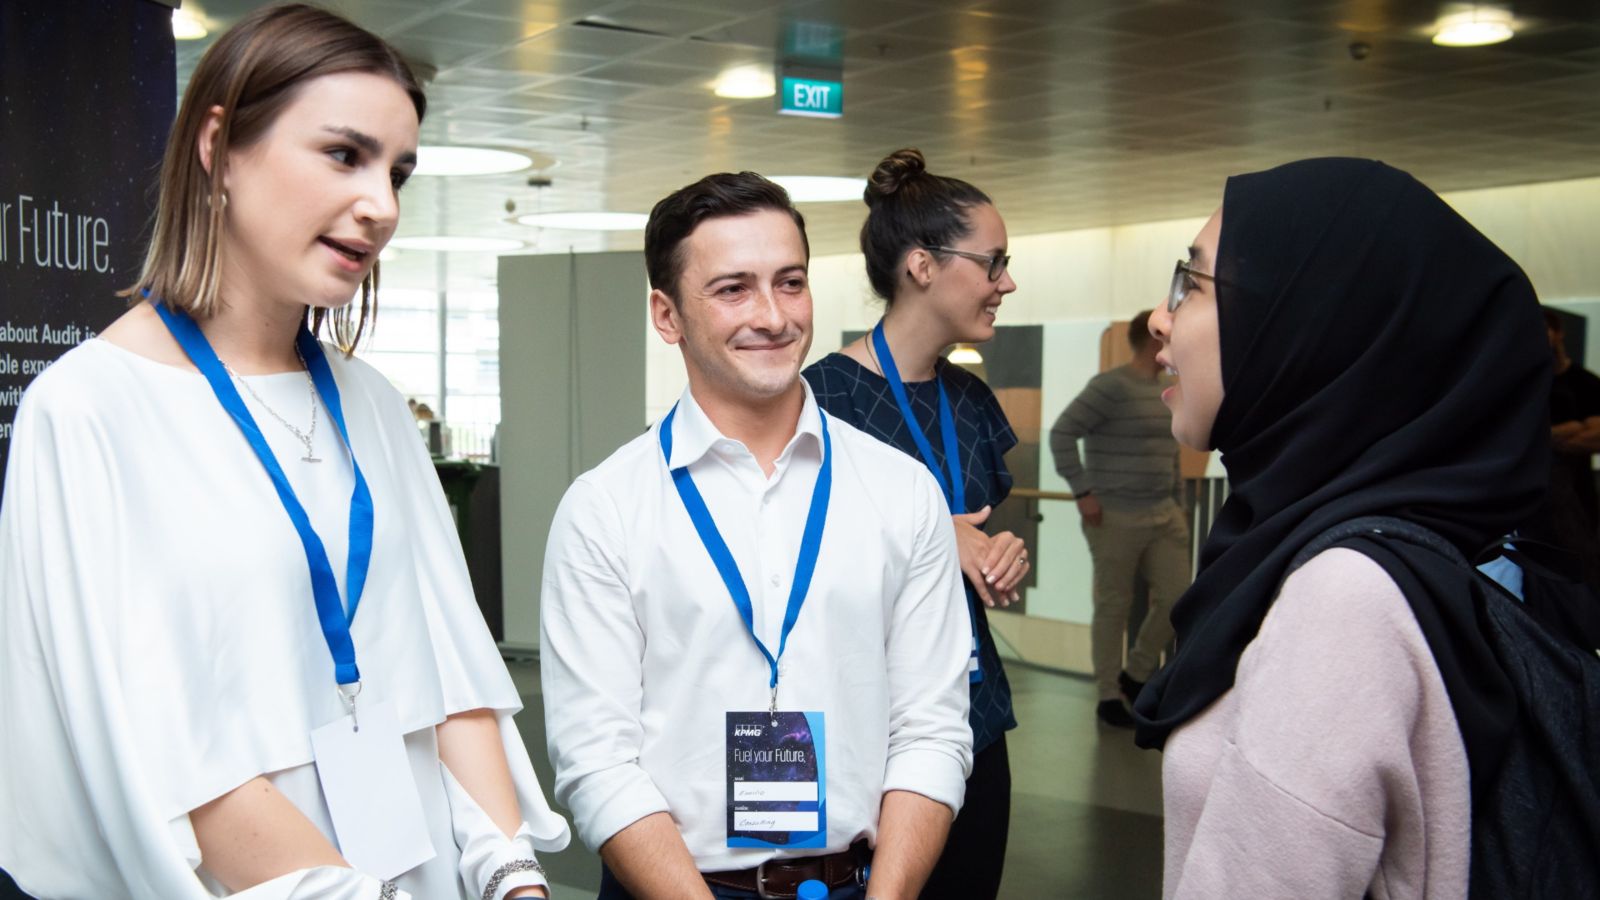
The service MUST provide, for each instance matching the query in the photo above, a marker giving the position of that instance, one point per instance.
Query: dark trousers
(612, 889)
(975, 855)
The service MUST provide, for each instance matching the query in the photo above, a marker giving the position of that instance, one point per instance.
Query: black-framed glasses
(997, 263)
(1182, 283)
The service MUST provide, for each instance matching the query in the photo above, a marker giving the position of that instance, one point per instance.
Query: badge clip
(349, 692)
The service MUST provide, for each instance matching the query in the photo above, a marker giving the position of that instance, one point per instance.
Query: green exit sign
(811, 97)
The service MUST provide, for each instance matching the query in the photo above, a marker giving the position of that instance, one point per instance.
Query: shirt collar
(693, 434)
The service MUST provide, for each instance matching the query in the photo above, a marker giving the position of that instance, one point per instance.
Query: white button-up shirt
(643, 651)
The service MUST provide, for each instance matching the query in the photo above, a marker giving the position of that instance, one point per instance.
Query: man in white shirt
(747, 563)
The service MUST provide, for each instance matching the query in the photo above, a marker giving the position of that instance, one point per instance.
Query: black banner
(87, 93)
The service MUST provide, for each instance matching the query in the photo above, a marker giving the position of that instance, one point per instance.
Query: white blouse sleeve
(65, 752)
(471, 672)
(321, 883)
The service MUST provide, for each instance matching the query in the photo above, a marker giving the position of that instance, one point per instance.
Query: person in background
(753, 600)
(936, 253)
(1571, 515)
(1367, 363)
(239, 653)
(1126, 486)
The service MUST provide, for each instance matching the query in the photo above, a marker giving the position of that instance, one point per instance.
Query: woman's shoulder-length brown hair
(252, 73)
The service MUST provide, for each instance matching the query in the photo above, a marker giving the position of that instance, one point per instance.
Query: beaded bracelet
(516, 865)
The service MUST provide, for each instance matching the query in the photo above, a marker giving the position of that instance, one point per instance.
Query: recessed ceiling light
(186, 26)
(1474, 27)
(468, 161)
(821, 188)
(745, 83)
(451, 244)
(586, 221)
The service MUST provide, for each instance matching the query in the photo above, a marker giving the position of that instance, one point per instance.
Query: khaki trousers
(1155, 544)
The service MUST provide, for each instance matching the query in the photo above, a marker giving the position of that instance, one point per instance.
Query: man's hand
(1089, 508)
(995, 564)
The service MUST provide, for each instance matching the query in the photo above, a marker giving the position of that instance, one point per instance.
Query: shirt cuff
(606, 802)
(485, 849)
(934, 774)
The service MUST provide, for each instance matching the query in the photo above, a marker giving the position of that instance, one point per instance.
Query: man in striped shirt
(1126, 488)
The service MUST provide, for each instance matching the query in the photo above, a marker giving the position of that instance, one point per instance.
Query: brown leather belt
(780, 878)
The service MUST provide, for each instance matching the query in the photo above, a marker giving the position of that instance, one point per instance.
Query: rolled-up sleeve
(928, 645)
(591, 663)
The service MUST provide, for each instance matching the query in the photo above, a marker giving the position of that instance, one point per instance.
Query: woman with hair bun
(239, 653)
(935, 250)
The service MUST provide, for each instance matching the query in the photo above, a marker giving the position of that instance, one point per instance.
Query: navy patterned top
(852, 392)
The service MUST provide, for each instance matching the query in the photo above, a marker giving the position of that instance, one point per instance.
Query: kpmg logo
(747, 731)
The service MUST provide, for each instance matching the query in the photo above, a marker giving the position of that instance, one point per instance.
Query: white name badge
(371, 792)
(777, 780)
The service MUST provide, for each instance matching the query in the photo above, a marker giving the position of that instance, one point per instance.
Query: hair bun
(893, 172)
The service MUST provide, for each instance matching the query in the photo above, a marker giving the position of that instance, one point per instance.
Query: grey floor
(1085, 803)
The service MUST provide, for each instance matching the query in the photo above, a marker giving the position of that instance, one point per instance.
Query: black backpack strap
(1388, 526)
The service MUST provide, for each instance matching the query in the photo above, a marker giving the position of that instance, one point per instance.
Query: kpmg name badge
(777, 786)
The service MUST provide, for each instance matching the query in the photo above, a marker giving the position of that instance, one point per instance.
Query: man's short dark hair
(1139, 331)
(712, 197)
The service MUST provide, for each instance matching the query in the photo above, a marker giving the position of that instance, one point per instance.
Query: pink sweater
(1333, 767)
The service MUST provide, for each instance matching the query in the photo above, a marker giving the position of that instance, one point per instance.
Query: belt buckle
(761, 882)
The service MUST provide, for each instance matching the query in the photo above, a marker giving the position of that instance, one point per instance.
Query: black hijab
(1380, 357)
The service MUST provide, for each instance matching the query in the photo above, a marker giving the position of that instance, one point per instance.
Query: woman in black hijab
(1355, 349)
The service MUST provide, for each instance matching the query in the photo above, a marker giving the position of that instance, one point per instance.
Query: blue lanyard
(324, 588)
(954, 487)
(728, 568)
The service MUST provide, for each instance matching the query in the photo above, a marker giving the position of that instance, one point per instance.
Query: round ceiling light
(745, 83)
(468, 161)
(586, 221)
(821, 188)
(450, 244)
(186, 26)
(1474, 27)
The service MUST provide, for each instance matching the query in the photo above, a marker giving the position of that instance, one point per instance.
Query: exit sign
(811, 97)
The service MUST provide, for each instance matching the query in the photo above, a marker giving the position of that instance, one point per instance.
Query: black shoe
(1113, 713)
(1130, 688)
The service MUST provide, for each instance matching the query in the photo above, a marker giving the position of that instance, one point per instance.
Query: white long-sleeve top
(159, 645)
(643, 651)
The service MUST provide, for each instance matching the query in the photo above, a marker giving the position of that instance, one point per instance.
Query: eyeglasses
(996, 263)
(1182, 283)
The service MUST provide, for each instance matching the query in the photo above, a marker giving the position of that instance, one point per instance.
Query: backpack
(1536, 828)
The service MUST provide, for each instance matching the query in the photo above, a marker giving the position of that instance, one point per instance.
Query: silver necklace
(305, 437)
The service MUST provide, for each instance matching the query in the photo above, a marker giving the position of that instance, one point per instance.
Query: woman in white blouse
(239, 653)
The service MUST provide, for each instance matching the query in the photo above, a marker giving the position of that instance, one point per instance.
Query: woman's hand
(995, 564)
